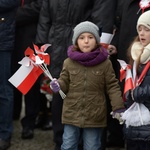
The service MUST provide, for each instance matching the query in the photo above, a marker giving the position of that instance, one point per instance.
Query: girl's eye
(81, 37)
(139, 29)
(143, 28)
(91, 37)
(146, 29)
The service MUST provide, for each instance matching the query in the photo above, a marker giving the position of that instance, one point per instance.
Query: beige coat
(85, 87)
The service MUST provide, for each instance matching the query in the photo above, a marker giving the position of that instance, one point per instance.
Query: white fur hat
(144, 19)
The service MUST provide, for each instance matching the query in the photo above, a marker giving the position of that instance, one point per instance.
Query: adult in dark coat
(26, 26)
(56, 23)
(115, 137)
(7, 37)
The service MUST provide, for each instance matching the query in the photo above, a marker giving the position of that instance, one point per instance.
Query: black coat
(58, 18)
(128, 16)
(7, 24)
(141, 94)
(26, 27)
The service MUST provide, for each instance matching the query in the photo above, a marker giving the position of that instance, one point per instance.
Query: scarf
(137, 50)
(90, 58)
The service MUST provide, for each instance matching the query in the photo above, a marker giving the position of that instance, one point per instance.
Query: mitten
(54, 85)
(117, 114)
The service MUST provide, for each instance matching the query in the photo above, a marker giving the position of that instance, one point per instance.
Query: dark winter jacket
(26, 27)
(26, 23)
(141, 94)
(58, 18)
(7, 24)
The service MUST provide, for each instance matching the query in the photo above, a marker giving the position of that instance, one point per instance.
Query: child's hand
(118, 115)
(54, 85)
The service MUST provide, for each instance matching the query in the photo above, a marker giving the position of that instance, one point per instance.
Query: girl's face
(144, 35)
(86, 42)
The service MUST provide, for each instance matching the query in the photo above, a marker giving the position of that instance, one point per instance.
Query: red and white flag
(125, 73)
(106, 39)
(25, 76)
(31, 68)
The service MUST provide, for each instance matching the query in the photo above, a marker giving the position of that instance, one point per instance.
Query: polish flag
(106, 39)
(25, 77)
(128, 80)
(125, 73)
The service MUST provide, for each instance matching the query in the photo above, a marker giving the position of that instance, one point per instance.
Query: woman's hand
(111, 50)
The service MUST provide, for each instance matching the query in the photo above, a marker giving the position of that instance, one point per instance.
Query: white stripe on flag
(20, 75)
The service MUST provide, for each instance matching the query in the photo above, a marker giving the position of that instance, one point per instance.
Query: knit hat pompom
(144, 19)
(86, 26)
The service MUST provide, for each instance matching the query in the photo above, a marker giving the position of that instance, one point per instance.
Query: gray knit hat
(85, 26)
(144, 19)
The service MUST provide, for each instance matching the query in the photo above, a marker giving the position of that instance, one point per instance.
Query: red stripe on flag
(122, 74)
(28, 82)
(128, 85)
(143, 73)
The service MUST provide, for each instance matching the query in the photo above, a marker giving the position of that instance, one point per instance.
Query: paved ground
(43, 140)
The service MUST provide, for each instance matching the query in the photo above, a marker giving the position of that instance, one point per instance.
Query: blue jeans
(91, 138)
(6, 96)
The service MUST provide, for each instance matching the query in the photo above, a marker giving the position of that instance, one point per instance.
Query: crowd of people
(85, 69)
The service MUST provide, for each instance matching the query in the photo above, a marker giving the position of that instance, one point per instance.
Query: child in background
(87, 73)
(138, 137)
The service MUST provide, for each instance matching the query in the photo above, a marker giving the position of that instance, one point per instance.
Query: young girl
(86, 75)
(138, 137)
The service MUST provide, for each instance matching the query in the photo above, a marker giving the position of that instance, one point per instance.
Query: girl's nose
(86, 40)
